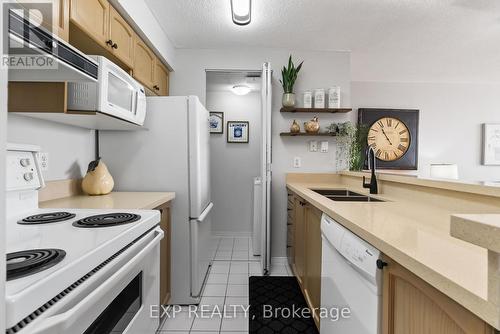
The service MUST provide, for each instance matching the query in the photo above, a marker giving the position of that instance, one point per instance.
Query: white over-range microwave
(115, 94)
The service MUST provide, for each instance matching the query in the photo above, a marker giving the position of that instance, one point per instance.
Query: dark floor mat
(272, 304)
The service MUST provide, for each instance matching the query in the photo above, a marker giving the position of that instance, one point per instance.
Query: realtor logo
(29, 26)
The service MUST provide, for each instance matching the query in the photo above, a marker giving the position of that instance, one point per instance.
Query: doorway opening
(233, 98)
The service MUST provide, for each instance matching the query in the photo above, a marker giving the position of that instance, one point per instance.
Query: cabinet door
(92, 17)
(412, 306)
(161, 79)
(144, 64)
(290, 231)
(313, 258)
(299, 239)
(121, 37)
(61, 9)
(165, 252)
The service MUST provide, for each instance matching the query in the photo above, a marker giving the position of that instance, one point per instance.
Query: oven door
(119, 304)
(120, 95)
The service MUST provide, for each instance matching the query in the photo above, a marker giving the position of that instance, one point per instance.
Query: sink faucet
(371, 165)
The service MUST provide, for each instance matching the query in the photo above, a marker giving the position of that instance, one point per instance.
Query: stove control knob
(28, 176)
(25, 162)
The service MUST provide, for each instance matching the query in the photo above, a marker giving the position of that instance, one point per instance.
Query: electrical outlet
(324, 147)
(313, 146)
(297, 162)
(44, 161)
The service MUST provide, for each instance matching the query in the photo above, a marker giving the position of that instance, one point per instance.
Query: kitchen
(432, 221)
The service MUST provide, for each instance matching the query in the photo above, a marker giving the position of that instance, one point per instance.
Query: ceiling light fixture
(241, 11)
(241, 90)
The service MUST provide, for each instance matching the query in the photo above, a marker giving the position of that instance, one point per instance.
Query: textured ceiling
(461, 33)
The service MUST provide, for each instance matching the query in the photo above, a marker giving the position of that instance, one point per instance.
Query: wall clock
(393, 133)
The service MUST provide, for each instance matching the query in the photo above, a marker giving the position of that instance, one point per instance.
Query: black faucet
(370, 153)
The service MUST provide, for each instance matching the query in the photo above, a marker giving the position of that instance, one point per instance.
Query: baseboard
(232, 234)
(279, 260)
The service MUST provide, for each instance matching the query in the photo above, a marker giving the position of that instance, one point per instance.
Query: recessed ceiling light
(241, 90)
(241, 11)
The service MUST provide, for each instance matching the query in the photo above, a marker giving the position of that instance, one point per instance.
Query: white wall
(451, 115)
(70, 148)
(233, 166)
(321, 69)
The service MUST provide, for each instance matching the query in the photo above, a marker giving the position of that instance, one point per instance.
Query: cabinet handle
(114, 46)
(109, 42)
(288, 246)
(156, 87)
(302, 203)
(381, 264)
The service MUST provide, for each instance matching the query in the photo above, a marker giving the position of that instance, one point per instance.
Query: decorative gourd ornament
(98, 180)
(312, 126)
(295, 128)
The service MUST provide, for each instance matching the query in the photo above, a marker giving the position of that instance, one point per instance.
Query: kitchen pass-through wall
(234, 165)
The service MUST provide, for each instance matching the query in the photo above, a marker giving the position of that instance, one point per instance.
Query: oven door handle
(55, 323)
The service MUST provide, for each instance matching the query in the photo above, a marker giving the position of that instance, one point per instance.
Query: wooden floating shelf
(314, 110)
(304, 134)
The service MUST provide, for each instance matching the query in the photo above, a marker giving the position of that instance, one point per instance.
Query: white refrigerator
(172, 154)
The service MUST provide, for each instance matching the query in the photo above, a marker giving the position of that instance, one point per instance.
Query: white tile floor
(227, 285)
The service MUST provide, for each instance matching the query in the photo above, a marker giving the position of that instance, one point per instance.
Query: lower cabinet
(312, 286)
(299, 264)
(165, 252)
(306, 262)
(412, 306)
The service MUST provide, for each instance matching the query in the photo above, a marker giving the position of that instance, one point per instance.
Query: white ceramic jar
(308, 99)
(334, 97)
(319, 98)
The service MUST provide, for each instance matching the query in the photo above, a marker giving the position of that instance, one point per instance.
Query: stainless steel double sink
(344, 195)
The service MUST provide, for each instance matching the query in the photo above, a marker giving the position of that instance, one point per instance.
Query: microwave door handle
(136, 102)
(55, 322)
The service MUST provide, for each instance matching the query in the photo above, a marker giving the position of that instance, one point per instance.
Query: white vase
(288, 100)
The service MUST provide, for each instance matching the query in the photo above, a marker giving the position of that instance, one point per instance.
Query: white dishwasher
(349, 278)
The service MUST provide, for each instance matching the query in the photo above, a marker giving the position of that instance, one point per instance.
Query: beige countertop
(114, 200)
(416, 235)
(482, 230)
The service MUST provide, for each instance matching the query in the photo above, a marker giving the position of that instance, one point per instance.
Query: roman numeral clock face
(390, 138)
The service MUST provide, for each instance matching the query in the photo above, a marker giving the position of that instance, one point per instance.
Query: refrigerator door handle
(205, 213)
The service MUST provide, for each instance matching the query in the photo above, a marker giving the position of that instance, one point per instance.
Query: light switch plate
(313, 146)
(324, 146)
(297, 162)
(43, 158)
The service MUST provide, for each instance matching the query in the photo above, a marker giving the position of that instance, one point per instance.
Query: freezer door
(203, 248)
(199, 157)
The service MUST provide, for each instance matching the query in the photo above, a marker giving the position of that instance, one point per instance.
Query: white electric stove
(76, 271)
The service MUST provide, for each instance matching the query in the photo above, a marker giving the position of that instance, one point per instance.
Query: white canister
(308, 99)
(319, 98)
(334, 97)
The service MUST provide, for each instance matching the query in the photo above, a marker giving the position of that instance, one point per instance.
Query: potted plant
(351, 141)
(289, 75)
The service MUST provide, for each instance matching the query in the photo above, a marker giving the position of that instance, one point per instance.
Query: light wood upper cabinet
(92, 17)
(161, 79)
(412, 306)
(122, 37)
(144, 64)
(62, 18)
(312, 286)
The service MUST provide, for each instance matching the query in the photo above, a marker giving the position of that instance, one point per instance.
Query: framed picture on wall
(237, 131)
(491, 144)
(216, 121)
